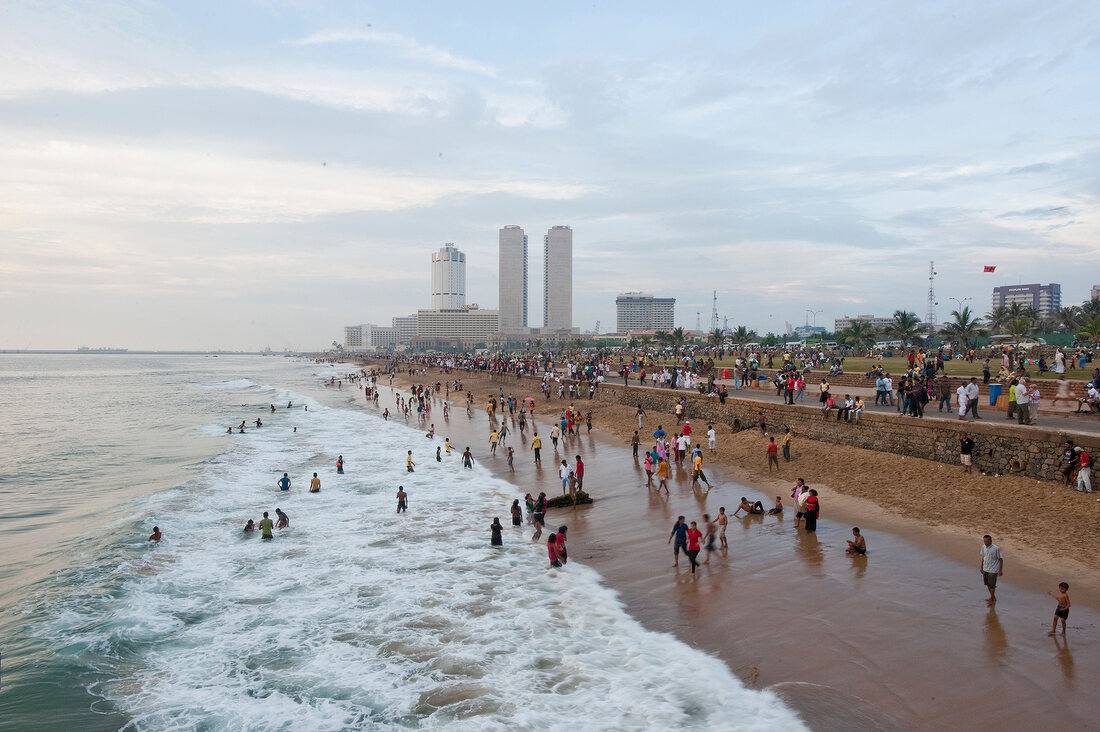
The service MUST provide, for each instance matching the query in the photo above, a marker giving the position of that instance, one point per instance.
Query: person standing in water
(468, 459)
(284, 483)
(517, 513)
(402, 499)
(536, 445)
(1062, 611)
(340, 465)
(266, 525)
(409, 464)
(284, 520)
(496, 528)
(157, 536)
(992, 566)
(315, 484)
(693, 537)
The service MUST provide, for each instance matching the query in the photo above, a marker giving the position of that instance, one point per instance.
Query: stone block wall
(998, 448)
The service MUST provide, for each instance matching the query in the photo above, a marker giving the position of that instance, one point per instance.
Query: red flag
(989, 268)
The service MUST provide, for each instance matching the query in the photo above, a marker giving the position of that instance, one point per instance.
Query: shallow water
(353, 618)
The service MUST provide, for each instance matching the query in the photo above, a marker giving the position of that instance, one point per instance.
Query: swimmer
(402, 499)
(229, 431)
(266, 525)
(857, 545)
(156, 536)
(289, 405)
(250, 526)
(273, 408)
(315, 484)
(284, 520)
(284, 483)
(259, 422)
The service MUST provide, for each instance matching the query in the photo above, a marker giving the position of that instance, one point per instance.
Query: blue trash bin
(994, 394)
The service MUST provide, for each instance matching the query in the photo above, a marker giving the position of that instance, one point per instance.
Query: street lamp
(815, 313)
(959, 303)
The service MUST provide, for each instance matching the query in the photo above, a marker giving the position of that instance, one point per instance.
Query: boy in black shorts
(1062, 611)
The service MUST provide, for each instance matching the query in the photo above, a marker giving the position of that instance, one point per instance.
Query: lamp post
(959, 303)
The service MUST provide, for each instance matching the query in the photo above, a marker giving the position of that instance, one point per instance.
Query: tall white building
(643, 311)
(448, 278)
(557, 290)
(513, 279)
(1044, 298)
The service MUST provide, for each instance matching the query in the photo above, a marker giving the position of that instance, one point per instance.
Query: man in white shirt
(962, 400)
(888, 383)
(992, 566)
(711, 438)
(565, 471)
(972, 396)
(1023, 402)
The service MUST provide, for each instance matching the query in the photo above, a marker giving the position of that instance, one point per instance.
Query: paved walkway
(1059, 419)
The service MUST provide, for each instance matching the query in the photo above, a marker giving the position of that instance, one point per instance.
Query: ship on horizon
(102, 349)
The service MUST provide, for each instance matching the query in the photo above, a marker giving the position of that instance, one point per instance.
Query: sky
(204, 175)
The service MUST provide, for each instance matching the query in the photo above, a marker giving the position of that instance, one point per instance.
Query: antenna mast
(930, 317)
(714, 311)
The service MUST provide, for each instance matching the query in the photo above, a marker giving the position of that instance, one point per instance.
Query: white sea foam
(358, 618)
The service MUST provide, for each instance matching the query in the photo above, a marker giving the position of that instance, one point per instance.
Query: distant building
(405, 325)
(643, 311)
(557, 288)
(1044, 298)
(1095, 293)
(367, 337)
(512, 283)
(448, 278)
(456, 327)
(877, 323)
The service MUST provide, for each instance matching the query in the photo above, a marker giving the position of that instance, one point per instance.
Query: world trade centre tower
(558, 279)
(513, 279)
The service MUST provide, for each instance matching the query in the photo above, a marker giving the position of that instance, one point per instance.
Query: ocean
(354, 617)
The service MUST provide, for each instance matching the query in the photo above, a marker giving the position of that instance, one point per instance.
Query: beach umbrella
(529, 399)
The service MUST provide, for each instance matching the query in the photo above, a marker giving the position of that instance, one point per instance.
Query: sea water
(354, 617)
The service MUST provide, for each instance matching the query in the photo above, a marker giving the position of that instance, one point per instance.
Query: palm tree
(632, 343)
(859, 334)
(965, 327)
(1091, 309)
(662, 337)
(677, 338)
(1016, 310)
(715, 337)
(742, 335)
(1019, 328)
(1067, 318)
(904, 327)
(646, 340)
(1091, 331)
(997, 318)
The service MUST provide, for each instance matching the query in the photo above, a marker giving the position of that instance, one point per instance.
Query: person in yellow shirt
(697, 470)
(447, 445)
(662, 475)
(536, 445)
(494, 438)
(787, 439)
(409, 461)
(315, 484)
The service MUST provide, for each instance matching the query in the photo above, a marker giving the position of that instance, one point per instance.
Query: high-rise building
(557, 273)
(405, 325)
(448, 278)
(643, 311)
(841, 324)
(1044, 298)
(513, 279)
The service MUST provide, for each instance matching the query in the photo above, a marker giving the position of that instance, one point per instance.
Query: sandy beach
(898, 639)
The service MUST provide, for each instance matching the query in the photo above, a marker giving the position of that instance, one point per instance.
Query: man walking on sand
(992, 566)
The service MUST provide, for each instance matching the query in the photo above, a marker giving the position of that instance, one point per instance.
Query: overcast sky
(237, 175)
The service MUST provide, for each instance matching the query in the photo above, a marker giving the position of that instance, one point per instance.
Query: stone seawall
(998, 448)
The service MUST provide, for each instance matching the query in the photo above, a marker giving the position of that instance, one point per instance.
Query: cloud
(406, 47)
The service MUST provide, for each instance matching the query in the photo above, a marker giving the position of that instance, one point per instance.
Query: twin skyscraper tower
(557, 280)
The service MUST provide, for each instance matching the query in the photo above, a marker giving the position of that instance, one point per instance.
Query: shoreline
(742, 607)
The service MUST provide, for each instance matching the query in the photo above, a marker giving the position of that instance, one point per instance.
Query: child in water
(1062, 611)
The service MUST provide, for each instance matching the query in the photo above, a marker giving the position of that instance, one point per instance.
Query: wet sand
(897, 640)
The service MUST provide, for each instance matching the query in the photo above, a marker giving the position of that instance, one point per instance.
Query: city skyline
(262, 175)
